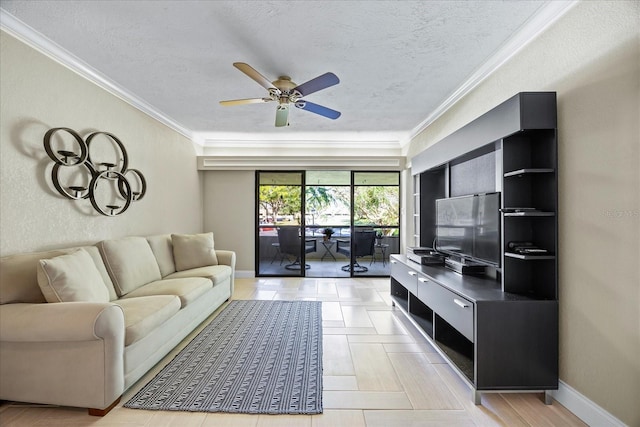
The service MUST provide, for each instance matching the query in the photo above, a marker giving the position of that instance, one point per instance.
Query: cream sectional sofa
(79, 326)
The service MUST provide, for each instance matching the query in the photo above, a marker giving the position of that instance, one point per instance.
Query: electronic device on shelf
(463, 266)
(526, 248)
(518, 210)
(425, 256)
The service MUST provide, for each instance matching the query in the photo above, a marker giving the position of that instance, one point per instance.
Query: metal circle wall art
(97, 174)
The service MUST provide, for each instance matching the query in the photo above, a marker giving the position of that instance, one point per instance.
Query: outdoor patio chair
(363, 242)
(289, 240)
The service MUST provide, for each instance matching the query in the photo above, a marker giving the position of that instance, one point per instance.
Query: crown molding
(544, 18)
(300, 162)
(18, 29)
(305, 140)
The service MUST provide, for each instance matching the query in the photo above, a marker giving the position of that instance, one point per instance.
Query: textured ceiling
(397, 60)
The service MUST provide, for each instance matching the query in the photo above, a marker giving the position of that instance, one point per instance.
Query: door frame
(303, 225)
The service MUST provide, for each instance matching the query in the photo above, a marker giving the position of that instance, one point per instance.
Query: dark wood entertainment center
(499, 331)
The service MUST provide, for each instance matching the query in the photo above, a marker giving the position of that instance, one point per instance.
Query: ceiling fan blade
(282, 116)
(245, 101)
(319, 83)
(318, 109)
(249, 71)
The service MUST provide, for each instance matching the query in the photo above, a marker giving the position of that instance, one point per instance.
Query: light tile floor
(378, 372)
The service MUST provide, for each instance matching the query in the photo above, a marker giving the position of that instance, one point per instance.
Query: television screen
(486, 241)
(469, 227)
(454, 225)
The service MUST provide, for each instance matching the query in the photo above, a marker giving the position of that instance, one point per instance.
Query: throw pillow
(70, 278)
(193, 251)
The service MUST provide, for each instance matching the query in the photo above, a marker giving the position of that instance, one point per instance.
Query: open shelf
(533, 276)
(422, 314)
(402, 302)
(529, 257)
(457, 348)
(529, 213)
(425, 324)
(400, 294)
(526, 171)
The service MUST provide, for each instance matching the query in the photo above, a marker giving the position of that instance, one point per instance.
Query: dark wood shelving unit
(499, 331)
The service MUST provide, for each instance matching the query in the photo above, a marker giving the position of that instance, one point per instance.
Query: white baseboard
(245, 274)
(585, 409)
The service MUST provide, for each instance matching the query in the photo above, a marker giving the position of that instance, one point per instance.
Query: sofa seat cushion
(188, 289)
(216, 273)
(143, 314)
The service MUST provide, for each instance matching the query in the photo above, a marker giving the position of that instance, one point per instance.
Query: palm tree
(318, 198)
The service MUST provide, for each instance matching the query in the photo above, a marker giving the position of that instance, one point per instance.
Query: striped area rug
(255, 357)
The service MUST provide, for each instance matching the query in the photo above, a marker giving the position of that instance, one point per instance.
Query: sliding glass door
(279, 244)
(326, 223)
(328, 216)
(376, 222)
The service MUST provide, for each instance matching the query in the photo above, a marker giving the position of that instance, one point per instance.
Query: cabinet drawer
(453, 308)
(405, 275)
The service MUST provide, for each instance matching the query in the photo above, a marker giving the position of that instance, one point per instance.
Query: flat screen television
(468, 227)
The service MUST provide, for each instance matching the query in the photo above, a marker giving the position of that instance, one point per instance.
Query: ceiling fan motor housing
(284, 83)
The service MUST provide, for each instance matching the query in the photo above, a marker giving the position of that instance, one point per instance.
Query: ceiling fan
(286, 92)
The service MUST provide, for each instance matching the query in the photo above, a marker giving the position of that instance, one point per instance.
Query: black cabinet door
(517, 345)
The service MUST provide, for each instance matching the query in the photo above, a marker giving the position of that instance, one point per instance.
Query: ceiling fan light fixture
(282, 115)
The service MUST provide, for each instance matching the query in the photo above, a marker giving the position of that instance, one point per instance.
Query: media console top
(474, 288)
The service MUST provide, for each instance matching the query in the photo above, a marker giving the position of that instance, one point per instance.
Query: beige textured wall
(229, 211)
(38, 94)
(591, 58)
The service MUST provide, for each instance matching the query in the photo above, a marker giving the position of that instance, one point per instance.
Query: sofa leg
(102, 412)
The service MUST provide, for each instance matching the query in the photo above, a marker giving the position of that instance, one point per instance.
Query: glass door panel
(328, 218)
(376, 222)
(280, 250)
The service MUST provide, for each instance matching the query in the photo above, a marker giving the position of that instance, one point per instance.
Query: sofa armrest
(59, 322)
(226, 258)
(69, 354)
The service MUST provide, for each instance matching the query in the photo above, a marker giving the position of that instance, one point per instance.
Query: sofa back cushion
(18, 277)
(130, 263)
(193, 251)
(71, 278)
(163, 250)
(94, 252)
